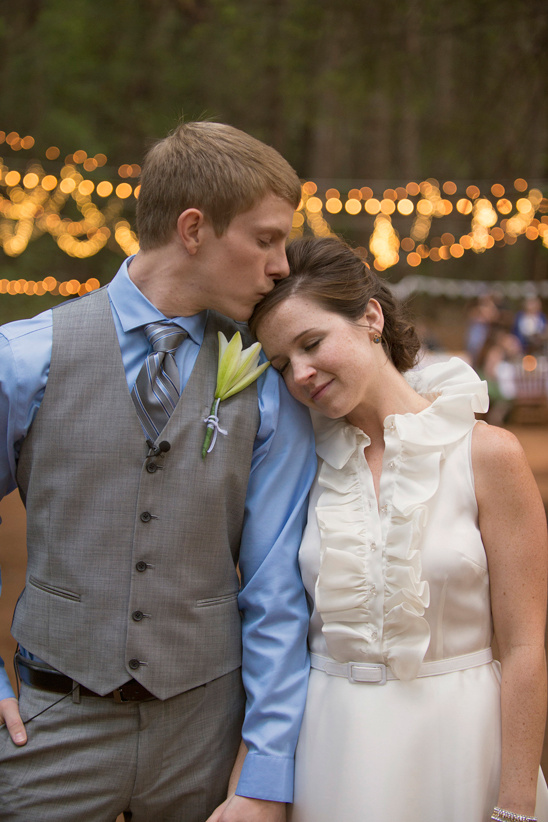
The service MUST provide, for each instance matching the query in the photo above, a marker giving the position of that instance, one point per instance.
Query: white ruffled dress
(403, 582)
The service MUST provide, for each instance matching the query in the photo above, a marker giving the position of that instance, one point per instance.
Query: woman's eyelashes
(306, 347)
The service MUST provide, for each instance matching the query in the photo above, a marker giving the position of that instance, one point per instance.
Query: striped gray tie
(156, 388)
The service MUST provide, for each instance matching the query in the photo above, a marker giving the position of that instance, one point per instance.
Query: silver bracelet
(500, 815)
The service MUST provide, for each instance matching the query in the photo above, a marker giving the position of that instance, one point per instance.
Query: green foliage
(357, 91)
(384, 90)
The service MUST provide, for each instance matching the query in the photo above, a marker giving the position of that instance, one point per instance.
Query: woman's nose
(302, 373)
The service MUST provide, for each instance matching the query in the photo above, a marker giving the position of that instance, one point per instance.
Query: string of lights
(84, 214)
(522, 212)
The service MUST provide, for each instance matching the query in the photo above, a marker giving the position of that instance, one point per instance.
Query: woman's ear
(189, 225)
(373, 316)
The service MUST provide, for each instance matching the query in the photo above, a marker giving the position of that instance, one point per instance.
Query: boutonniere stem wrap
(236, 370)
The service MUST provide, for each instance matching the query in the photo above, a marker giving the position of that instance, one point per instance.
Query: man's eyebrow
(274, 231)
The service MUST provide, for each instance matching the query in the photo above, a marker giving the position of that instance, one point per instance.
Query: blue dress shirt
(272, 598)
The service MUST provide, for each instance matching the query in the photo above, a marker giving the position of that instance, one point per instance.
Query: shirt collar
(134, 310)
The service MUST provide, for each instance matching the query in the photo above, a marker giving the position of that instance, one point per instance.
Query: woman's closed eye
(309, 346)
(281, 368)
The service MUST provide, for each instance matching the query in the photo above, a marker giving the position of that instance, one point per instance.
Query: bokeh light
(83, 205)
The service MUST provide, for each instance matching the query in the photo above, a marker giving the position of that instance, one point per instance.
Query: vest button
(141, 565)
(152, 468)
(146, 516)
(134, 664)
(137, 616)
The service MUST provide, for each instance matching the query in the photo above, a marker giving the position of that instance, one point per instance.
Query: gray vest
(131, 559)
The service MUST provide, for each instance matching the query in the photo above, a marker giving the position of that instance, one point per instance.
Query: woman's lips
(318, 393)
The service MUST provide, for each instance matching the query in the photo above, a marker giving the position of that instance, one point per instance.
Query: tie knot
(165, 337)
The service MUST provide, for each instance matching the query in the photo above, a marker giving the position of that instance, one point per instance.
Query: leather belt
(48, 679)
(378, 673)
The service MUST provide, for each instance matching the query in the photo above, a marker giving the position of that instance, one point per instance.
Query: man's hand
(242, 809)
(10, 716)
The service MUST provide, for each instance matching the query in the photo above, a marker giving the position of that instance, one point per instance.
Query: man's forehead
(271, 212)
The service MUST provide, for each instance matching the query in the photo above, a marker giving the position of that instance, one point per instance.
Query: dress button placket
(373, 564)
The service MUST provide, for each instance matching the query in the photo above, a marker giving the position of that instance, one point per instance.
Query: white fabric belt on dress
(378, 673)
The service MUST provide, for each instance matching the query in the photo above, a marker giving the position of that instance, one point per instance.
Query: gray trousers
(153, 761)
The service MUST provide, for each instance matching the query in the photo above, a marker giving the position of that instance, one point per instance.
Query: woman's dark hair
(328, 271)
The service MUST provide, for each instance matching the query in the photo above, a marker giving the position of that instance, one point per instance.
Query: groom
(153, 574)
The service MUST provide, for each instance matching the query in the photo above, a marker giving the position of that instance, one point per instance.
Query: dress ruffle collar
(345, 596)
(456, 392)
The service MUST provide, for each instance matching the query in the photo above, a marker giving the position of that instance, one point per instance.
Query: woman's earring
(377, 338)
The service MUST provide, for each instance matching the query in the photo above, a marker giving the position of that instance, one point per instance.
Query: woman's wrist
(502, 815)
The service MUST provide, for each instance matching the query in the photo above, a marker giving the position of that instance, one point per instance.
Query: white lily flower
(236, 370)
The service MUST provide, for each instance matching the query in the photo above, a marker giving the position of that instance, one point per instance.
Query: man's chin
(242, 315)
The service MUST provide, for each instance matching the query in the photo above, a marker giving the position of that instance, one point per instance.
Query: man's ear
(189, 225)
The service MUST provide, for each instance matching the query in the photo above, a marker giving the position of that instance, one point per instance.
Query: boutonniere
(235, 371)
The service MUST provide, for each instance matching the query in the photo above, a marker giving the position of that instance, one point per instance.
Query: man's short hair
(213, 167)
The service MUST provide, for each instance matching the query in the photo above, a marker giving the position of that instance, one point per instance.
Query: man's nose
(278, 267)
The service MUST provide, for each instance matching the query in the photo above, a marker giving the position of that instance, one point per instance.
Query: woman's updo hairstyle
(328, 271)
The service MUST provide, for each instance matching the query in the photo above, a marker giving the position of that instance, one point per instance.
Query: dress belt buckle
(366, 666)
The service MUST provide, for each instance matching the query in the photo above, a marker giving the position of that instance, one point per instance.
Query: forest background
(354, 93)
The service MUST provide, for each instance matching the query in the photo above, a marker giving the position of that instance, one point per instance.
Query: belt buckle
(119, 695)
(379, 666)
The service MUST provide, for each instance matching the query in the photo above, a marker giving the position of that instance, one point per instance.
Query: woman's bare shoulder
(500, 465)
(494, 445)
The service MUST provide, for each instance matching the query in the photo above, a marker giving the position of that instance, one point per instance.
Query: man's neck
(159, 275)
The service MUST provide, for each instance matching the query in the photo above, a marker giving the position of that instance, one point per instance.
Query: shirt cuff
(267, 777)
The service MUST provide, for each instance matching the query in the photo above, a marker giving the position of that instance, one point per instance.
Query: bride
(426, 532)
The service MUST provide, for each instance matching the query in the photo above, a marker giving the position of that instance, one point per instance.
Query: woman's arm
(513, 528)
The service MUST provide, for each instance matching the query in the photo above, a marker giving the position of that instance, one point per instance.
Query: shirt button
(146, 516)
(374, 635)
(152, 468)
(141, 565)
(373, 546)
(134, 664)
(137, 616)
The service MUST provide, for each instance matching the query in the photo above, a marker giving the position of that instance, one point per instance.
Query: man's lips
(318, 392)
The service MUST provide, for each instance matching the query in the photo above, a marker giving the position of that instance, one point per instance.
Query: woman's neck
(391, 394)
